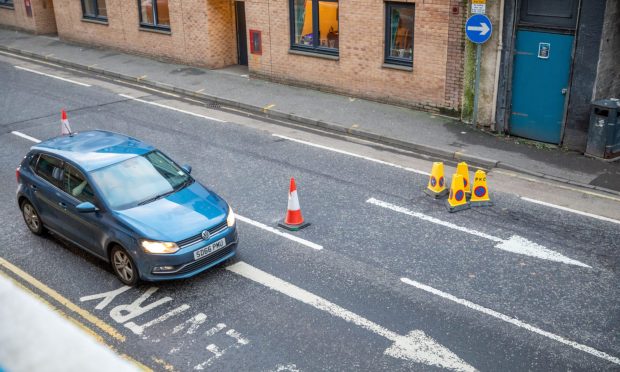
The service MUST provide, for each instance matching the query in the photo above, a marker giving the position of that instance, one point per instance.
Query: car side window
(74, 183)
(50, 169)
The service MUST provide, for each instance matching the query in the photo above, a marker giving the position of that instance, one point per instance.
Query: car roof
(94, 149)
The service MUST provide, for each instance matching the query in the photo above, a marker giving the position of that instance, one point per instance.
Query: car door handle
(62, 205)
(34, 187)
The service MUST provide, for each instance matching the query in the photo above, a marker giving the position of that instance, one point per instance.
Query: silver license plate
(209, 249)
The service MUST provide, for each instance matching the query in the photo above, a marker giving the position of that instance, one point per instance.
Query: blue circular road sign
(478, 28)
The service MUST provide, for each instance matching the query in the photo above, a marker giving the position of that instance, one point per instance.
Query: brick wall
(456, 49)
(200, 30)
(41, 22)
(434, 84)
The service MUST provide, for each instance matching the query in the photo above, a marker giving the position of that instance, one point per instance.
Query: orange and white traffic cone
(65, 129)
(294, 220)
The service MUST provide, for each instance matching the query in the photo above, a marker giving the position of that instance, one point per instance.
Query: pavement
(421, 132)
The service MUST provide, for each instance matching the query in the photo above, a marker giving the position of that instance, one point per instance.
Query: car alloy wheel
(124, 266)
(31, 217)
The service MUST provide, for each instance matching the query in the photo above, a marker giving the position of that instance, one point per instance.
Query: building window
(399, 23)
(314, 25)
(6, 3)
(154, 14)
(94, 9)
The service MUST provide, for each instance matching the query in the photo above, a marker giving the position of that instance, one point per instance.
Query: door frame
(511, 13)
(241, 37)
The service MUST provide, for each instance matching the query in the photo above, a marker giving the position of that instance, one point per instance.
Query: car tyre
(124, 267)
(32, 219)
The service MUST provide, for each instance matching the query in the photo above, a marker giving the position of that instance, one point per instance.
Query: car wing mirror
(187, 168)
(86, 207)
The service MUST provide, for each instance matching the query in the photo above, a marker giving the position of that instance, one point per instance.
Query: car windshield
(139, 180)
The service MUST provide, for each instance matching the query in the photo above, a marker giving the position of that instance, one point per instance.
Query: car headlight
(150, 246)
(230, 220)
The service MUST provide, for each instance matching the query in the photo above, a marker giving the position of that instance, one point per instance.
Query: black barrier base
(293, 227)
(436, 195)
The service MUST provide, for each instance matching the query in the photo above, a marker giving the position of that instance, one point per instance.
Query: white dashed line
(513, 321)
(52, 76)
(25, 136)
(570, 210)
(353, 154)
(280, 233)
(172, 108)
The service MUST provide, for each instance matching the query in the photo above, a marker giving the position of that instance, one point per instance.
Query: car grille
(207, 260)
(198, 237)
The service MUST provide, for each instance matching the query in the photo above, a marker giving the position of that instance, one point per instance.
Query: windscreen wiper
(156, 197)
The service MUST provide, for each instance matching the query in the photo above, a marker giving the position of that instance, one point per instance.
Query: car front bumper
(182, 263)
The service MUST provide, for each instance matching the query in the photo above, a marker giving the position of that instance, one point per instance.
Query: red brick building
(409, 52)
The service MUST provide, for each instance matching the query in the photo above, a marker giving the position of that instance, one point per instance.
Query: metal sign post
(478, 30)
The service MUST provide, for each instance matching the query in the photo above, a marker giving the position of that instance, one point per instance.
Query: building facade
(545, 61)
(408, 53)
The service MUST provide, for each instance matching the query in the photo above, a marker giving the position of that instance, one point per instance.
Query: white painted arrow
(514, 244)
(415, 346)
(483, 28)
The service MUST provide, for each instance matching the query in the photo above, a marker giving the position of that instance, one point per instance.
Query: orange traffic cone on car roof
(480, 193)
(463, 170)
(65, 129)
(294, 220)
(457, 201)
(436, 182)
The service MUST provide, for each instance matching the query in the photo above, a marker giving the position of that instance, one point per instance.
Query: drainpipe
(498, 60)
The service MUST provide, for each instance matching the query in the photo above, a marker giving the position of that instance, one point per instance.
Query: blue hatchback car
(127, 203)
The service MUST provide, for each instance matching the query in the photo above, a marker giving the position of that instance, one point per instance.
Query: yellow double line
(65, 303)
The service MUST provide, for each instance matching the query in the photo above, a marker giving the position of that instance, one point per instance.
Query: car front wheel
(32, 219)
(123, 266)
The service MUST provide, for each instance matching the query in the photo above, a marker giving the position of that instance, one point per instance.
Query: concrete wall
(584, 72)
(41, 22)
(608, 72)
(434, 84)
(201, 31)
(488, 79)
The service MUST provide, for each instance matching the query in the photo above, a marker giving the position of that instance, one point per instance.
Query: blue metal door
(539, 85)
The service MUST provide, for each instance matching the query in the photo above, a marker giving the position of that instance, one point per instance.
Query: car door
(85, 229)
(45, 190)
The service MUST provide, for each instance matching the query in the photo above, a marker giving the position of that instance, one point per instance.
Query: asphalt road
(399, 284)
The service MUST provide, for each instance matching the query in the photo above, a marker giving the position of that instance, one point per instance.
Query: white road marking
(217, 352)
(513, 321)
(514, 244)
(172, 108)
(52, 76)
(193, 323)
(123, 313)
(570, 210)
(353, 154)
(139, 329)
(280, 233)
(415, 346)
(25, 136)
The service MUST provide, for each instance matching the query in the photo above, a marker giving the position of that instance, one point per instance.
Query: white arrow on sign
(483, 28)
(514, 244)
(416, 346)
